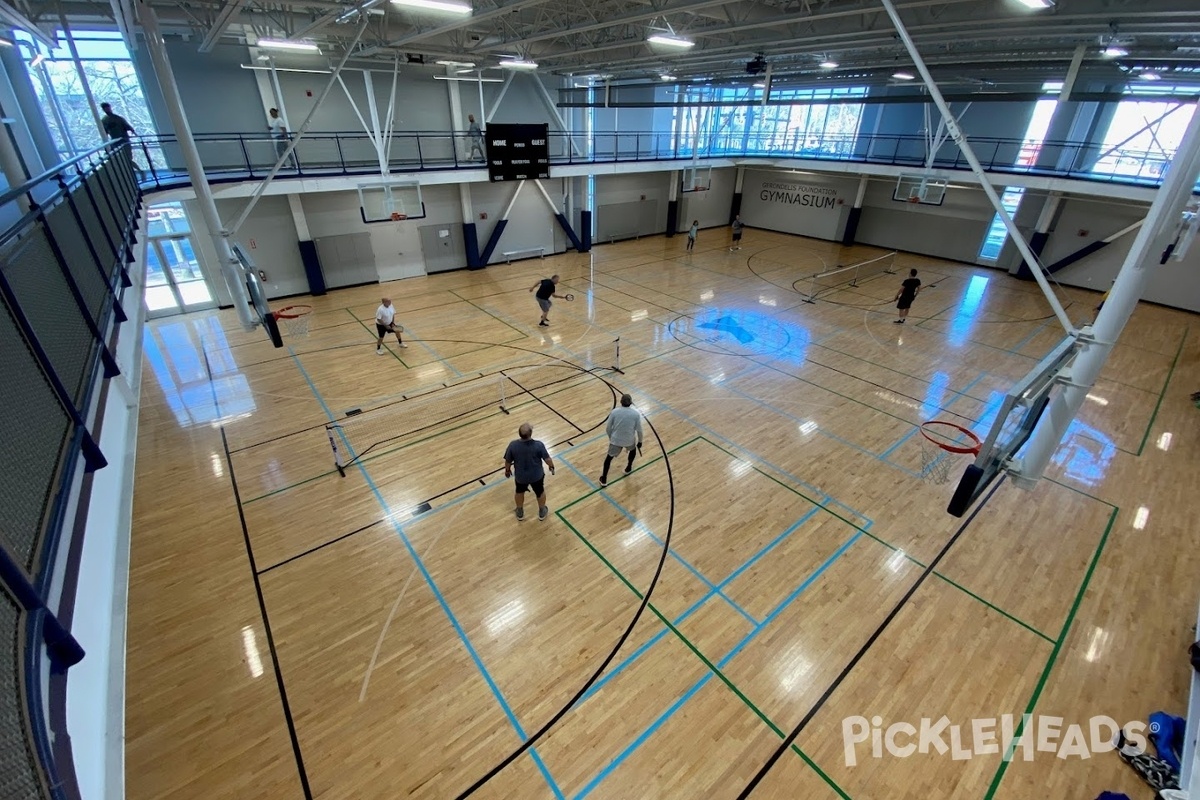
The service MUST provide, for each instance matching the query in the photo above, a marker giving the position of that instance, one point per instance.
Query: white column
(297, 209)
(861, 195)
(739, 180)
(1159, 230)
(230, 267)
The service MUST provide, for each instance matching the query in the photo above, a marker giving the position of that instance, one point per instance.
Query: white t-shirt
(277, 126)
(385, 314)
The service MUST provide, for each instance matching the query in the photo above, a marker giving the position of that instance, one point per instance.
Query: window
(1145, 133)
(110, 74)
(798, 121)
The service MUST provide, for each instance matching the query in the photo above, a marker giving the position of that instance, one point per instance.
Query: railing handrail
(26, 187)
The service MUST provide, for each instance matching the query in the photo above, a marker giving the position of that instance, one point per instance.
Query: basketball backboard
(258, 296)
(392, 201)
(920, 188)
(1014, 423)
(696, 179)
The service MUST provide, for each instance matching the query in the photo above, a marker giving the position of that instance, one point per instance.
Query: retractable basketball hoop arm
(961, 140)
(1161, 232)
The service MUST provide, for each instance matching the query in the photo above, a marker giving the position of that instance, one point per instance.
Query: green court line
(524, 335)
(704, 659)
(994, 607)
(368, 330)
(1041, 684)
(1163, 393)
(397, 448)
(935, 316)
(1057, 482)
(887, 544)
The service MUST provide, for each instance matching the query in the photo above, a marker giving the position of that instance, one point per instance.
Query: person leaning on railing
(118, 130)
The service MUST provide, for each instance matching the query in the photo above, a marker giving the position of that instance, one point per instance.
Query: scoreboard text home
(518, 152)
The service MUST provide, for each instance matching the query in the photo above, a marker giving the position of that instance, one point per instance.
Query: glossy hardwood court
(397, 633)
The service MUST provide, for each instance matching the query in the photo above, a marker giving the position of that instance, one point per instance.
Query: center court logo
(985, 737)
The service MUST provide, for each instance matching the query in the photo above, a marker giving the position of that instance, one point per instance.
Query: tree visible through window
(110, 74)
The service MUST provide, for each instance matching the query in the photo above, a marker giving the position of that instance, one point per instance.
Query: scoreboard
(518, 152)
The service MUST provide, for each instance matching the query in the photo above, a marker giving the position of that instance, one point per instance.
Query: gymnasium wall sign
(518, 152)
(798, 194)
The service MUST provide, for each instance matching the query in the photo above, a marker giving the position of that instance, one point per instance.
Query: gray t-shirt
(624, 427)
(526, 456)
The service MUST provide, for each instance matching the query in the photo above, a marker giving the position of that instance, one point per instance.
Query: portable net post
(617, 365)
(337, 454)
(503, 381)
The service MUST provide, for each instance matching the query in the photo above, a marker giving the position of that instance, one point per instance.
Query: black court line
(262, 603)
(550, 723)
(529, 392)
(862, 651)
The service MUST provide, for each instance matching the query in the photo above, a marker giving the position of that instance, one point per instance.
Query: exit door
(443, 248)
(174, 283)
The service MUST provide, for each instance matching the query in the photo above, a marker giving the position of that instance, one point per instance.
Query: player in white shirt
(385, 323)
(279, 134)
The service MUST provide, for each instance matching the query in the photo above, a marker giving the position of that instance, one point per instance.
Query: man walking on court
(385, 323)
(692, 231)
(909, 290)
(526, 455)
(624, 429)
(736, 228)
(545, 290)
(476, 137)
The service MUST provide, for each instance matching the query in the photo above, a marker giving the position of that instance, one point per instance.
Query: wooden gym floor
(296, 633)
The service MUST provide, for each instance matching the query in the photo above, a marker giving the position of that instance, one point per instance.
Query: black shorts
(538, 486)
(904, 303)
(737, 237)
(382, 330)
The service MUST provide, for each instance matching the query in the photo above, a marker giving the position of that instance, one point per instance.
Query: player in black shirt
(909, 290)
(545, 290)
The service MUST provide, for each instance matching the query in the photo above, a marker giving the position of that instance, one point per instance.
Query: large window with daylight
(109, 72)
(1145, 131)
(732, 120)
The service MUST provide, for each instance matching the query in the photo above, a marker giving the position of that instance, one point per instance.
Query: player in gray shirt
(624, 429)
(526, 455)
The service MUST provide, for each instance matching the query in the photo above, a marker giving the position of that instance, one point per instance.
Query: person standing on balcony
(475, 134)
(279, 135)
(118, 129)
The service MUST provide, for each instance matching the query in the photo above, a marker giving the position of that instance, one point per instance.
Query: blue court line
(1016, 348)
(824, 498)
(508, 712)
(696, 605)
(432, 352)
(644, 528)
(674, 707)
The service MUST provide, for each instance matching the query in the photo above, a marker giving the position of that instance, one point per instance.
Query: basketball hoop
(939, 441)
(914, 199)
(295, 319)
(398, 217)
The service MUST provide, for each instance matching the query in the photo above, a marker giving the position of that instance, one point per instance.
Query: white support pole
(766, 86)
(479, 84)
(553, 208)
(1053, 201)
(295, 139)
(280, 106)
(298, 218)
(512, 200)
(390, 125)
(1149, 250)
(354, 107)
(10, 164)
(508, 79)
(230, 267)
(1072, 73)
(457, 125)
(977, 168)
(376, 127)
(739, 179)
(673, 189)
(861, 195)
(549, 101)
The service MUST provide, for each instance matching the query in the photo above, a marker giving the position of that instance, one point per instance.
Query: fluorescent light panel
(286, 44)
(904, 76)
(517, 63)
(447, 63)
(667, 77)
(436, 5)
(1114, 51)
(828, 64)
(1150, 76)
(670, 41)
(1037, 3)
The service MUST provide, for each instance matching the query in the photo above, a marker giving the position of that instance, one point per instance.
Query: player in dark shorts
(736, 228)
(909, 290)
(526, 455)
(545, 290)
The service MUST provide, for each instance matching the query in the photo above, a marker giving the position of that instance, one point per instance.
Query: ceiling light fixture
(904, 76)
(448, 63)
(828, 64)
(1037, 3)
(436, 5)
(518, 63)
(1150, 76)
(667, 77)
(287, 44)
(760, 86)
(1114, 51)
(670, 41)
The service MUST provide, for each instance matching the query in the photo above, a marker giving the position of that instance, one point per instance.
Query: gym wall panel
(630, 203)
(711, 208)
(802, 203)
(530, 223)
(953, 230)
(269, 238)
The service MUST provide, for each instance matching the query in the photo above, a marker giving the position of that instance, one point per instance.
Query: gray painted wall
(711, 208)
(614, 193)
(269, 238)
(218, 95)
(530, 223)
(953, 230)
(804, 204)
